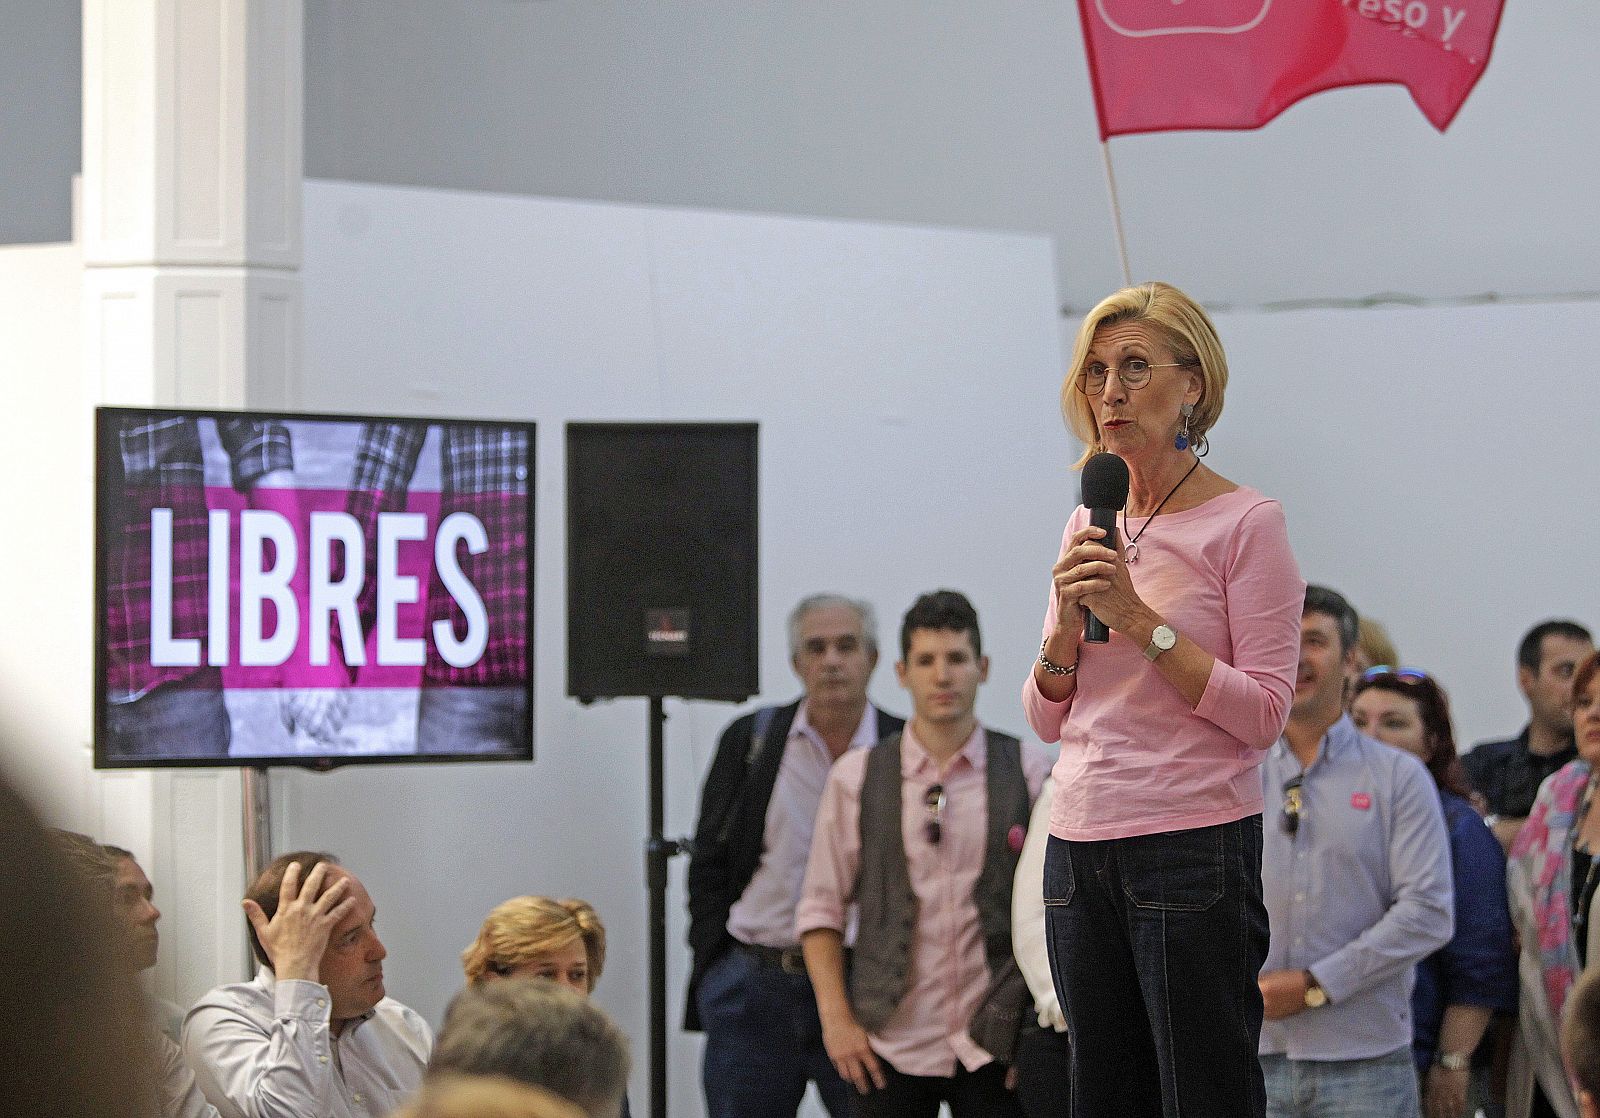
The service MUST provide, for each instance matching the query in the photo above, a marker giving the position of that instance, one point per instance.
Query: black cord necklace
(1133, 542)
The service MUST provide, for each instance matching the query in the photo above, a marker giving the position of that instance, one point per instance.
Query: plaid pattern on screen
(162, 466)
(485, 473)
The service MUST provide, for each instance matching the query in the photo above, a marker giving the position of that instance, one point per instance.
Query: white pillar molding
(193, 123)
(190, 224)
(193, 337)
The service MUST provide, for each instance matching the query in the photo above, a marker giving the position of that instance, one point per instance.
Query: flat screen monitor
(311, 590)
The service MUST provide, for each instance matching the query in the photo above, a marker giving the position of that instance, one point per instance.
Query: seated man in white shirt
(313, 1036)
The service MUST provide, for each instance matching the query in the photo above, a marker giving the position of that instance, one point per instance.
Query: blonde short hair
(1182, 325)
(524, 928)
(1373, 644)
(486, 1096)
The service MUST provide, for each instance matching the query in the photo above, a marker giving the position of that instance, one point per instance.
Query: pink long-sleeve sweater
(1135, 758)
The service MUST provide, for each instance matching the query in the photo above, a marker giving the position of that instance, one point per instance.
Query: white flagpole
(1116, 214)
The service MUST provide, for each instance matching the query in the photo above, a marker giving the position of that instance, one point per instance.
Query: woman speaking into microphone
(1152, 880)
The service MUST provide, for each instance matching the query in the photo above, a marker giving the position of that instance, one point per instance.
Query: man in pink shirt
(922, 833)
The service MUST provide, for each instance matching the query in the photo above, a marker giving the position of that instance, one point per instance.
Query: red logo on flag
(1164, 65)
(1360, 801)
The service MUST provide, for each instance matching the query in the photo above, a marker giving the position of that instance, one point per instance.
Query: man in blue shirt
(1356, 876)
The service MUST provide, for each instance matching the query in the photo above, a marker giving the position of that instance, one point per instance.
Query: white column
(191, 235)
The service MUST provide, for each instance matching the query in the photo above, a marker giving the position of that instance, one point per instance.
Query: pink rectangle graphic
(339, 588)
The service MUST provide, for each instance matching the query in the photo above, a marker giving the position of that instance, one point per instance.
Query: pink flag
(1167, 65)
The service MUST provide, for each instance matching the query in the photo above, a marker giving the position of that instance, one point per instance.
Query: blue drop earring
(1182, 441)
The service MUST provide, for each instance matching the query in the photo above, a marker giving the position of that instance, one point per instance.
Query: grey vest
(888, 908)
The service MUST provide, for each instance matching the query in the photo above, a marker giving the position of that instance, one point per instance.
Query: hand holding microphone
(1091, 577)
(1105, 492)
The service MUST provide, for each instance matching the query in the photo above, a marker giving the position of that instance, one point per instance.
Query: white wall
(46, 573)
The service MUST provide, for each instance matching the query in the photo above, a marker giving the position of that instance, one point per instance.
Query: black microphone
(1105, 491)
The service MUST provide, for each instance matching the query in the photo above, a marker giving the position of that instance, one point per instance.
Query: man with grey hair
(748, 989)
(535, 1032)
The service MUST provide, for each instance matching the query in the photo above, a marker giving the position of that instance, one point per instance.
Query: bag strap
(759, 728)
(758, 734)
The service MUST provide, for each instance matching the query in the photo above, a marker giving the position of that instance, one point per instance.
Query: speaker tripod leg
(658, 850)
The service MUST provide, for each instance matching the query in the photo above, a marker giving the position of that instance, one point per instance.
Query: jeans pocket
(1058, 880)
(723, 989)
(1176, 871)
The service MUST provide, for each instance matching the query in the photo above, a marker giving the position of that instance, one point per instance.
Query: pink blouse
(1135, 759)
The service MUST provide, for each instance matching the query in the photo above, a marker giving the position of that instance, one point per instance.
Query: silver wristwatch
(1161, 641)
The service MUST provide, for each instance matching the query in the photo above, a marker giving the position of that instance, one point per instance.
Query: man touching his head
(314, 1034)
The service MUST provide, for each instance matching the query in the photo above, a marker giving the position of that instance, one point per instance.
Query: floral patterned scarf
(1544, 847)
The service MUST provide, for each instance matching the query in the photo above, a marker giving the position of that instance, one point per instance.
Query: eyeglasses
(1133, 372)
(933, 800)
(1292, 805)
(1404, 675)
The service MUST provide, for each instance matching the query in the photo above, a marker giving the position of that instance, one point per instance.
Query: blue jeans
(1155, 943)
(1380, 1087)
(1044, 1072)
(763, 1042)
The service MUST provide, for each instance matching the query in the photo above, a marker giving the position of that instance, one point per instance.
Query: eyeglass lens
(1134, 373)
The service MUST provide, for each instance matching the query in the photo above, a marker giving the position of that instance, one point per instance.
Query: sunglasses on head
(1292, 805)
(1404, 675)
(933, 800)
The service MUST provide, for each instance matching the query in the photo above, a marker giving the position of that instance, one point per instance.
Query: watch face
(1316, 996)
(1163, 638)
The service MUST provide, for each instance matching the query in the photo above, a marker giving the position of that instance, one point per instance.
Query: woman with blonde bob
(1154, 913)
(536, 937)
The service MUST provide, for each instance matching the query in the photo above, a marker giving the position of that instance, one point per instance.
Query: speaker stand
(658, 852)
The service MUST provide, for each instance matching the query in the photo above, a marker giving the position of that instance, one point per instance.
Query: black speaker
(661, 560)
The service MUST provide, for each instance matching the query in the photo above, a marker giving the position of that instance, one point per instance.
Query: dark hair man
(922, 832)
(104, 869)
(74, 1044)
(538, 1033)
(133, 901)
(1355, 872)
(133, 904)
(314, 1033)
(749, 988)
(1508, 773)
